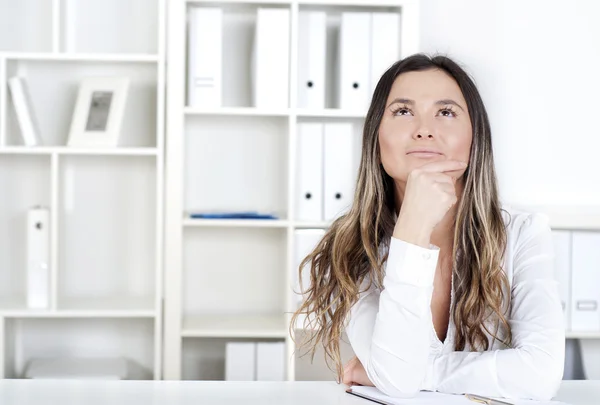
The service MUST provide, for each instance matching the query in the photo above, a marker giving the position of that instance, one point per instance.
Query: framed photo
(98, 113)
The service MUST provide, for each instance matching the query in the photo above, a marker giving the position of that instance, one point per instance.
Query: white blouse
(392, 334)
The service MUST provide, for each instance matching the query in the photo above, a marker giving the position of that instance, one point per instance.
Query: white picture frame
(98, 114)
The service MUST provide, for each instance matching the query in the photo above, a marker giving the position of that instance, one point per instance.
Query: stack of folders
(255, 361)
(24, 111)
(326, 170)
(269, 58)
(368, 45)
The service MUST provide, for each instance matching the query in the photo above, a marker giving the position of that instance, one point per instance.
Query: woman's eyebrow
(448, 101)
(408, 101)
(402, 101)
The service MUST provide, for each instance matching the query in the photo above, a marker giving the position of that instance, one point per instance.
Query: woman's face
(425, 120)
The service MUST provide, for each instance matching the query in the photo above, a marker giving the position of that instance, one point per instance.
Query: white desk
(38, 392)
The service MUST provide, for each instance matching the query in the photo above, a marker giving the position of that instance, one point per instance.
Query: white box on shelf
(311, 59)
(24, 111)
(305, 240)
(562, 267)
(270, 361)
(585, 310)
(77, 368)
(270, 58)
(38, 258)
(385, 45)
(339, 170)
(309, 172)
(354, 61)
(240, 361)
(205, 52)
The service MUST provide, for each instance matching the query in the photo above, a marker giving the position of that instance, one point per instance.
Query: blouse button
(427, 256)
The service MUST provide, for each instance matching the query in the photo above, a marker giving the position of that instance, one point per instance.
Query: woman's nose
(423, 129)
(422, 135)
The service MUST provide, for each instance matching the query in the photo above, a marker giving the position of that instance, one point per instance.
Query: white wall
(537, 65)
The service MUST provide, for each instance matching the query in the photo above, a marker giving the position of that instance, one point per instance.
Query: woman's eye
(402, 111)
(447, 112)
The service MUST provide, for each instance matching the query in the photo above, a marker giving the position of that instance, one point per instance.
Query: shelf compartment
(26, 25)
(53, 88)
(236, 165)
(239, 27)
(25, 183)
(204, 359)
(110, 26)
(132, 339)
(249, 264)
(235, 326)
(107, 215)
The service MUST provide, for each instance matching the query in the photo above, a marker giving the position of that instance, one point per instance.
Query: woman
(436, 285)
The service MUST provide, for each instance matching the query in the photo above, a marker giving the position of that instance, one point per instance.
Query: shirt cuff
(411, 264)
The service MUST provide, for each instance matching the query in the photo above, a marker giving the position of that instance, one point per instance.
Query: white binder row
(326, 170)
(577, 264)
(369, 43)
(269, 65)
(255, 361)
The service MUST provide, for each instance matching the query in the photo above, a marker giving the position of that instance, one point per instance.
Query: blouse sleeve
(390, 331)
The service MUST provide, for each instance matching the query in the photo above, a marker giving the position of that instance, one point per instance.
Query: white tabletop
(62, 392)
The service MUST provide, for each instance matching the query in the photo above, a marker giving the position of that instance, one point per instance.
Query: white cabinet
(230, 279)
(105, 204)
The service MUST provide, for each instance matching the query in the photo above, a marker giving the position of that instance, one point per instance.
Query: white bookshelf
(229, 280)
(106, 205)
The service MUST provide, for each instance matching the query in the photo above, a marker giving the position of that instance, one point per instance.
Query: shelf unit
(229, 280)
(106, 205)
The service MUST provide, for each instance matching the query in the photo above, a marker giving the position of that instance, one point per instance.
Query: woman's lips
(424, 155)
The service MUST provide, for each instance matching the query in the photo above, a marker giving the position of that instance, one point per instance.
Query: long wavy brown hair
(351, 250)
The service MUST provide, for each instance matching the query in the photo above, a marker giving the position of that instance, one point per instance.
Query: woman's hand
(429, 195)
(355, 374)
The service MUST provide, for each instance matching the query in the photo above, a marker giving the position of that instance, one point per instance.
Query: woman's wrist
(412, 232)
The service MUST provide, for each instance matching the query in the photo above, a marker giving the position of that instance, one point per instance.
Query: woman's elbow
(546, 376)
(547, 388)
(397, 382)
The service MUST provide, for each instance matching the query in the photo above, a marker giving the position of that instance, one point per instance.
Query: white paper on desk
(433, 398)
(422, 398)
